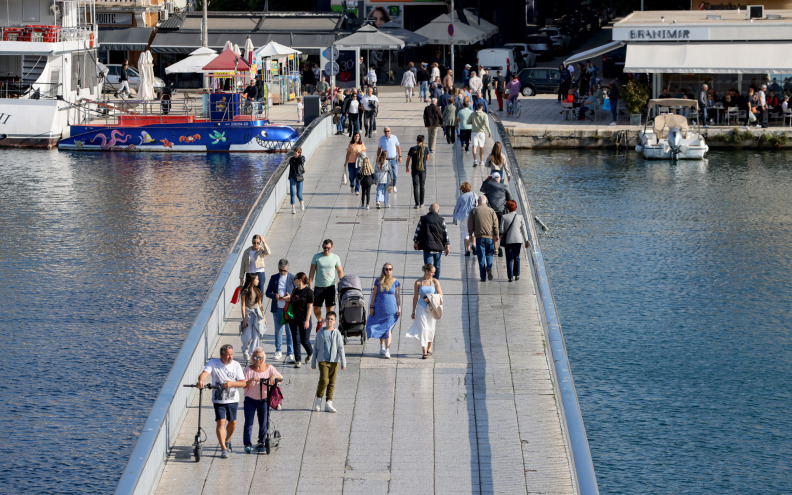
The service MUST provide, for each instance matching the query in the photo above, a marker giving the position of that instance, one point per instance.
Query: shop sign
(652, 33)
(114, 18)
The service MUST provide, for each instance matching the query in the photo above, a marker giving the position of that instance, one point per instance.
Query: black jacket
(431, 233)
(432, 116)
(423, 75)
(296, 168)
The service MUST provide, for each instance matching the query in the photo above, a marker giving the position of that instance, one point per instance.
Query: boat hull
(28, 123)
(659, 152)
(235, 136)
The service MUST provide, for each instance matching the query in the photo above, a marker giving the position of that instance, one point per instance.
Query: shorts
(226, 411)
(324, 295)
(479, 139)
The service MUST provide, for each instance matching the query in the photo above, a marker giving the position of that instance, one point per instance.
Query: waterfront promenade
(479, 417)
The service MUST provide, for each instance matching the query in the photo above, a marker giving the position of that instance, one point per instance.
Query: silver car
(112, 80)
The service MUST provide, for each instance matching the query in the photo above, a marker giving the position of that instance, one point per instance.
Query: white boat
(669, 136)
(48, 65)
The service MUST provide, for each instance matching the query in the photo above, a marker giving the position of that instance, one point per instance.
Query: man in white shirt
(475, 82)
(370, 108)
(227, 377)
(279, 288)
(390, 145)
(761, 106)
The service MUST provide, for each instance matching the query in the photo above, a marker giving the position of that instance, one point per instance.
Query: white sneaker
(394, 189)
(246, 356)
(387, 206)
(613, 123)
(318, 404)
(278, 356)
(329, 406)
(302, 205)
(387, 353)
(378, 205)
(357, 193)
(293, 211)
(291, 358)
(382, 350)
(367, 207)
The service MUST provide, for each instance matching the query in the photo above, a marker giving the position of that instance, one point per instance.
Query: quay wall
(612, 137)
(584, 478)
(167, 415)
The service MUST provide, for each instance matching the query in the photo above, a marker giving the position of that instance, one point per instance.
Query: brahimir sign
(660, 34)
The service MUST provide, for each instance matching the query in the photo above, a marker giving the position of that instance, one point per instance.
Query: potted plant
(635, 95)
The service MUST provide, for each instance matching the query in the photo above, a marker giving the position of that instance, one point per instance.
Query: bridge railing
(170, 408)
(584, 478)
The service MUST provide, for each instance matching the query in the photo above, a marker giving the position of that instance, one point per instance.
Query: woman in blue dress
(423, 325)
(385, 309)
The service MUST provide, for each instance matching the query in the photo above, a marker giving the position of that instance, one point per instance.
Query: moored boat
(669, 136)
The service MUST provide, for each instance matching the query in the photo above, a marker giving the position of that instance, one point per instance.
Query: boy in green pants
(329, 349)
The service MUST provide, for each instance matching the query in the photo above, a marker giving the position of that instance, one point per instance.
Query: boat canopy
(672, 102)
(666, 121)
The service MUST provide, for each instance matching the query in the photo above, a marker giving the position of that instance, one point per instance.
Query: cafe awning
(134, 38)
(181, 42)
(594, 52)
(709, 58)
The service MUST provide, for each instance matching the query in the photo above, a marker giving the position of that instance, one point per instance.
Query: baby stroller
(351, 308)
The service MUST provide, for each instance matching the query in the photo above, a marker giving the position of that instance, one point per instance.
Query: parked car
(560, 36)
(528, 57)
(112, 81)
(541, 45)
(539, 80)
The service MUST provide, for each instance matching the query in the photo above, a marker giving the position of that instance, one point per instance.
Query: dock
(480, 416)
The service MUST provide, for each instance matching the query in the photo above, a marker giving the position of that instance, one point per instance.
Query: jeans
(418, 180)
(341, 121)
(433, 258)
(382, 193)
(327, 378)
(512, 258)
(450, 134)
(354, 182)
(296, 189)
(704, 116)
(280, 326)
(614, 108)
(394, 165)
(252, 407)
(369, 121)
(485, 248)
(301, 336)
(354, 123)
(424, 92)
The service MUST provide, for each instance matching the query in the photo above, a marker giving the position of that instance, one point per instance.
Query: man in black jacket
(431, 236)
(433, 120)
(423, 77)
(497, 194)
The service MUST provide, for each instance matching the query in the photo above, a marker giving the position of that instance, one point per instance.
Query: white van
(507, 60)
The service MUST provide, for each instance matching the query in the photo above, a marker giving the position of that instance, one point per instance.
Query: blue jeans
(301, 336)
(277, 317)
(252, 407)
(394, 166)
(296, 189)
(485, 248)
(424, 92)
(354, 182)
(512, 258)
(433, 258)
(341, 120)
(382, 193)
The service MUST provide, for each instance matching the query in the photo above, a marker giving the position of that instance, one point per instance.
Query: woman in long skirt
(385, 309)
(423, 326)
(254, 323)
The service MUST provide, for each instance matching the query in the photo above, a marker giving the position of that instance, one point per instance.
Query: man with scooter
(227, 377)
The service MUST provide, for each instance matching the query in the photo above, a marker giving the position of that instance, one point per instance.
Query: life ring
(92, 40)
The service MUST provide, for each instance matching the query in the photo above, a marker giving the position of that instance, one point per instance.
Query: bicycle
(514, 109)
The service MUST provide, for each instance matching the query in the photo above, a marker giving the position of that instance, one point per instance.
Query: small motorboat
(669, 136)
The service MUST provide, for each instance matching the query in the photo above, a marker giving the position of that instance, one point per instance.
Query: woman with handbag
(385, 309)
(300, 307)
(355, 147)
(423, 325)
(496, 161)
(514, 234)
(256, 398)
(254, 323)
(296, 171)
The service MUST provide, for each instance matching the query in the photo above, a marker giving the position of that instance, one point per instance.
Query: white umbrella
(193, 63)
(249, 48)
(275, 49)
(146, 87)
(370, 38)
(237, 50)
(228, 45)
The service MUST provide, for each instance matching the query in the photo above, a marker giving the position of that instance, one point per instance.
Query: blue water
(673, 287)
(104, 261)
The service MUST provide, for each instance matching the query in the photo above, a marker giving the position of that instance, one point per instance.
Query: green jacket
(449, 115)
(479, 122)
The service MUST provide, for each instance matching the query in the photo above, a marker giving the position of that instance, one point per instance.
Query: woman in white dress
(423, 326)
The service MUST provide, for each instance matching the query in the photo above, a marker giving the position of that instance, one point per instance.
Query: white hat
(467, 65)
(495, 175)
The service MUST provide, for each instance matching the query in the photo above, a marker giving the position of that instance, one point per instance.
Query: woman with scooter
(256, 397)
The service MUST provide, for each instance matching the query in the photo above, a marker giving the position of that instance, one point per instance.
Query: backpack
(420, 158)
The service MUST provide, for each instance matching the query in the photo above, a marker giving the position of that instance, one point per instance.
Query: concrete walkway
(478, 417)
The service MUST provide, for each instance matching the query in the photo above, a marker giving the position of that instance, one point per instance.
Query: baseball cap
(495, 175)
(467, 65)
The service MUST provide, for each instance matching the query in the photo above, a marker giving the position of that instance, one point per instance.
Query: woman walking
(384, 179)
(514, 234)
(296, 171)
(423, 326)
(367, 178)
(408, 83)
(497, 161)
(254, 323)
(464, 205)
(301, 304)
(385, 309)
(256, 398)
(355, 147)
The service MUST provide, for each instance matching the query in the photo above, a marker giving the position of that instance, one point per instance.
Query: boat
(669, 136)
(47, 69)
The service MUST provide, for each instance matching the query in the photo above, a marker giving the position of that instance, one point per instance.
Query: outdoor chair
(732, 114)
(568, 110)
(788, 116)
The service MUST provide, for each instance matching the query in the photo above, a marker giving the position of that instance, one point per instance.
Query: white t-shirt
(367, 102)
(221, 373)
(353, 105)
(252, 265)
(282, 290)
(571, 68)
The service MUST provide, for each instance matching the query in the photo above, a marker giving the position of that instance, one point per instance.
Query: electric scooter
(200, 433)
(272, 440)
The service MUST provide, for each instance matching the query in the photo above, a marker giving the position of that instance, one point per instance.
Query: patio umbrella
(410, 38)
(145, 68)
(249, 48)
(489, 28)
(464, 34)
(193, 63)
(275, 49)
(370, 38)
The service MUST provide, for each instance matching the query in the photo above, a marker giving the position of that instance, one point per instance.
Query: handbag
(344, 176)
(288, 312)
(606, 104)
(235, 297)
(504, 235)
(275, 397)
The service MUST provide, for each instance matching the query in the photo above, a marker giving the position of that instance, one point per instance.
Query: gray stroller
(351, 308)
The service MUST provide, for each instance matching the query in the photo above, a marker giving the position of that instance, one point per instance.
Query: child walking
(329, 350)
(384, 179)
(366, 176)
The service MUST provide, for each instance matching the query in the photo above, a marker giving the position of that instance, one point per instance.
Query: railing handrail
(584, 477)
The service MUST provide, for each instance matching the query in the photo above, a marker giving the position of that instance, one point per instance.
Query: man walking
(483, 224)
(433, 120)
(475, 82)
(463, 126)
(497, 194)
(477, 99)
(390, 145)
(418, 155)
(124, 88)
(500, 87)
(279, 287)
(702, 102)
(431, 236)
(486, 81)
(449, 122)
(227, 377)
(370, 104)
(324, 267)
(423, 80)
(448, 80)
(480, 129)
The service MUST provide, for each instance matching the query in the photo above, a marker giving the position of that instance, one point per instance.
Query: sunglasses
(258, 358)
(389, 269)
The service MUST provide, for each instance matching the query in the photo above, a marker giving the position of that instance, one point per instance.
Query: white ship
(48, 65)
(669, 136)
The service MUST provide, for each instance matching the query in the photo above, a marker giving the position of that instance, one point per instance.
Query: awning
(176, 42)
(709, 58)
(135, 38)
(370, 38)
(594, 52)
(437, 32)
(481, 24)
(409, 38)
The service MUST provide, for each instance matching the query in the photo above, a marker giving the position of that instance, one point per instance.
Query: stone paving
(478, 417)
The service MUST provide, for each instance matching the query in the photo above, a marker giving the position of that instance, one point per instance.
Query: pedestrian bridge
(493, 411)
